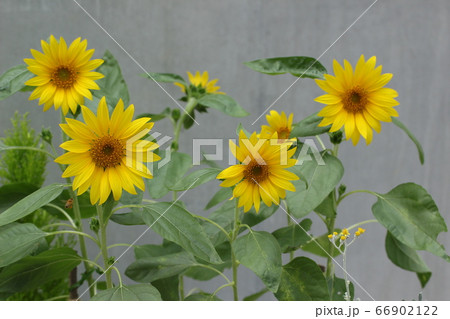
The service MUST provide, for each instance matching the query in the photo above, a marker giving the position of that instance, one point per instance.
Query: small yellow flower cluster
(344, 234)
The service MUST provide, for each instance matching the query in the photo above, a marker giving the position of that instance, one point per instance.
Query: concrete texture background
(409, 38)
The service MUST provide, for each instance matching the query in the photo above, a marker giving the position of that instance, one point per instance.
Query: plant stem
(191, 104)
(104, 246)
(181, 286)
(81, 234)
(79, 222)
(234, 262)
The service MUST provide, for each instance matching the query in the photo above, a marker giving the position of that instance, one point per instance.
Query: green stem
(215, 224)
(191, 104)
(79, 222)
(49, 226)
(216, 270)
(234, 262)
(73, 232)
(223, 286)
(362, 223)
(104, 246)
(356, 191)
(118, 275)
(58, 297)
(181, 286)
(112, 246)
(62, 211)
(320, 142)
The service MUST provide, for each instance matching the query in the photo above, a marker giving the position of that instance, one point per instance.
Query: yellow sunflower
(64, 74)
(106, 154)
(357, 99)
(201, 81)
(279, 123)
(262, 172)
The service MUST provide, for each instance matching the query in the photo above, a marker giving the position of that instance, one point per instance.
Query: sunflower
(64, 75)
(262, 172)
(201, 82)
(357, 99)
(106, 154)
(279, 123)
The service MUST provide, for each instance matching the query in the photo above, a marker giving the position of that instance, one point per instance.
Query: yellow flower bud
(330, 236)
(361, 230)
(343, 238)
(345, 232)
(357, 233)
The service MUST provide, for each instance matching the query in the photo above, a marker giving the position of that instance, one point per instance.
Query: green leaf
(168, 174)
(176, 224)
(326, 208)
(156, 117)
(131, 199)
(256, 295)
(112, 86)
(412, 137)
(128, 219)
(86, 208)
(12, 193)
(339, 290)
(30, 203)
(141, 292)
(319, 246)
(301, 280)
(164, 77)
(168, 288)
(322, 179)
(309, 127)
(14, 80)
(204, 274)
(259, 251)
(30, 273)
(290, 238)
(18, 241)
(148, 269)
(412, 217)
(299, 66)
(196, 178)
(222, 194)
(202, 296)
(407, 258)
(223, 103)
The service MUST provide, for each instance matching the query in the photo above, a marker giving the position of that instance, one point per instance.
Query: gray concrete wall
(409, 38)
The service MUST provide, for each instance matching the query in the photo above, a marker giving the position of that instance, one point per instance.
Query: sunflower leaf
(223, 103)
(309, 127)
(299, 66)
(412, 137)
(407, 258)
(112, 86)
(17, 241)
(14, 80)
(259, 251)
(302, 279)
(293, 236)
(176, 224)
(412, 217)
(319, 245)
(164, 77)
(140, 292)
(196, 178)
(31, 203)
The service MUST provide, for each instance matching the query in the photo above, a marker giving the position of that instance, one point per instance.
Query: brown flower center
(355, 100)
(107, 151)
(283, 133)
(64, 76)
(255, 172)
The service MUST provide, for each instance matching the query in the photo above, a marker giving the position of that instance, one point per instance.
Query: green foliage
(412, 217)
(141, 292)
(22, 166)
(339, 290)
(299, 66)
(318, 246)
(196, 178)
(302, 279)
(14, 80)
(112, 86)
(407, 258)
(322, 178)
(224, 104)
(18, 241)
(290, 238)
(176, 224)
(308, 127)
(164, 77)
(259, 251)
(31, 203)
(32, 272)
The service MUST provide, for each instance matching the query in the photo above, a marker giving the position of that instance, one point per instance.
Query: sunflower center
(64, 76)
(256, 173)
(107, 151)
(355, 100)
(283, 133)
